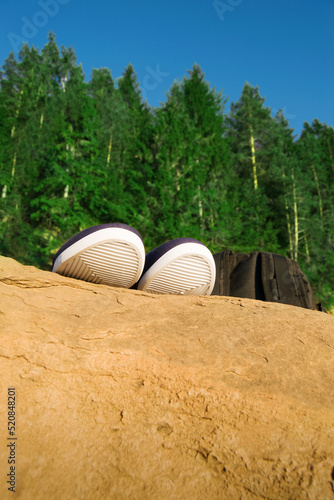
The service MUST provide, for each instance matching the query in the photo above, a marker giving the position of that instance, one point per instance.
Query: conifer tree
(280, 186)
(113, 123)
(250, 130)
(11, 103)
(315, 152)
(192, 161)
(136, 176)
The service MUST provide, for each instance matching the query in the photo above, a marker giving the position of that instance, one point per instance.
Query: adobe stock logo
(30, 27)
(152, 79)
(227, 6)
(286, 115)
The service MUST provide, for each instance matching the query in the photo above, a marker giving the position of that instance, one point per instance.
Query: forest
(75, 153)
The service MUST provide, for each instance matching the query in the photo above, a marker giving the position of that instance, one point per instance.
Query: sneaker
(110, 254)
(183, 266)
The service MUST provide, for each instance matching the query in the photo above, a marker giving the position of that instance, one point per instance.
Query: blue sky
(285, 47)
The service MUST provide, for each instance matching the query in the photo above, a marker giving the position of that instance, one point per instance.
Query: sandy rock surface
(122, 394)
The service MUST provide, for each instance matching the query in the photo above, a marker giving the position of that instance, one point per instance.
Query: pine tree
(191, 162)
(250, 130)
(315, 152)
(136, 172)
(113, 121)
(45, 100)
(281, 186)
(11, 101)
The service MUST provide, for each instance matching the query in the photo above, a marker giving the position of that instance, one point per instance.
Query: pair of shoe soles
(114, 254)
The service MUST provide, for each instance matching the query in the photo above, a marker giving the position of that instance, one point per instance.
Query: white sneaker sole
(110, 256)
(187, 269)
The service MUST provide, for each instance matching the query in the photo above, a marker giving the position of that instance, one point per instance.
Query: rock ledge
(122, 394)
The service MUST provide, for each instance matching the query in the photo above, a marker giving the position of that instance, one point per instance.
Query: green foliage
(76, 153)
(191, 162)
(316, 160)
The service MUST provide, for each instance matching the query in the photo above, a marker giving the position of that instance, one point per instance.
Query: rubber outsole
(113, 256)
(186, 269)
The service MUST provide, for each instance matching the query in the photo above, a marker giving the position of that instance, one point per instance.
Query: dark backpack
(262, 276)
